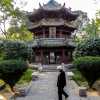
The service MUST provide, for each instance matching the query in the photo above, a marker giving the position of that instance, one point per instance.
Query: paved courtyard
(45, 89)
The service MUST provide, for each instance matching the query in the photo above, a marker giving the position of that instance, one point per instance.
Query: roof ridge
(53, 2)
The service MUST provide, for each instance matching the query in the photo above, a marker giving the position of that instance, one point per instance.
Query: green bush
(1, 50)
(12, 66)
(89, 47)
(12, 70)
(89, 68)
(15, 50)
(79, 79)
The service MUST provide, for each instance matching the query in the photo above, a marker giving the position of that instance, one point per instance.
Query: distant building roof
(52, 5)
(52, 10)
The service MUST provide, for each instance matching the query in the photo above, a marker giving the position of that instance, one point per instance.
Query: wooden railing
(52, 42)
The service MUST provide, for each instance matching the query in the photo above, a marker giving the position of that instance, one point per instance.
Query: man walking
(61, 83)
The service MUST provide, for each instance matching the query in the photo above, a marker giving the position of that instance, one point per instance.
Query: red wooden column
(41, 55)
(63, 56)
(70, 56)
(43, 33)
(60, 34)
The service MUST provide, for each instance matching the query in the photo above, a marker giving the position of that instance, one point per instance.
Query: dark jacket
(61, 82)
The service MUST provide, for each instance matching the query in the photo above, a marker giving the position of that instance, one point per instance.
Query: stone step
(52, 69)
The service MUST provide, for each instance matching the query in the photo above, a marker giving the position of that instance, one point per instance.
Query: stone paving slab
(45, 89)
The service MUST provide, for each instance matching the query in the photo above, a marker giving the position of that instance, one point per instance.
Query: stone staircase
(53, 68)
(49, 68)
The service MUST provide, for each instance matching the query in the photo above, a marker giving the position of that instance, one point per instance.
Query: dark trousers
(61, 92)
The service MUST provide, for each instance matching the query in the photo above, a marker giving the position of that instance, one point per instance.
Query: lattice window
(52, 32)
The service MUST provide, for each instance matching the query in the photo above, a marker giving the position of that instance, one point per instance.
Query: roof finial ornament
(70, 8)
(64, 4)
(40, 4)
(51, 1)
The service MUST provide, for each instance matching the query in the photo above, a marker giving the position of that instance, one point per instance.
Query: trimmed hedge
(15, 50)
(1, 50)
(12, 66)
(89, 68)
(12, 70)
(79, 79)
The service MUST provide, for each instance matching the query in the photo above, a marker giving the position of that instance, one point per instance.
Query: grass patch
(79, 79)
(1, 82)
(26, 77)
(6, 89)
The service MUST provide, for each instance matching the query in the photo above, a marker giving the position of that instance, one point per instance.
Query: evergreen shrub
(12, 70)
(89, 68)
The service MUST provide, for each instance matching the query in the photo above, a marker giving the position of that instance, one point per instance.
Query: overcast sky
(89, 6)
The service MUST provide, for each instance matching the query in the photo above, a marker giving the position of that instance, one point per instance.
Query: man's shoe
(66, 97)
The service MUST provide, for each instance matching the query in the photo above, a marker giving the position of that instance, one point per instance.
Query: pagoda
(52, 27)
